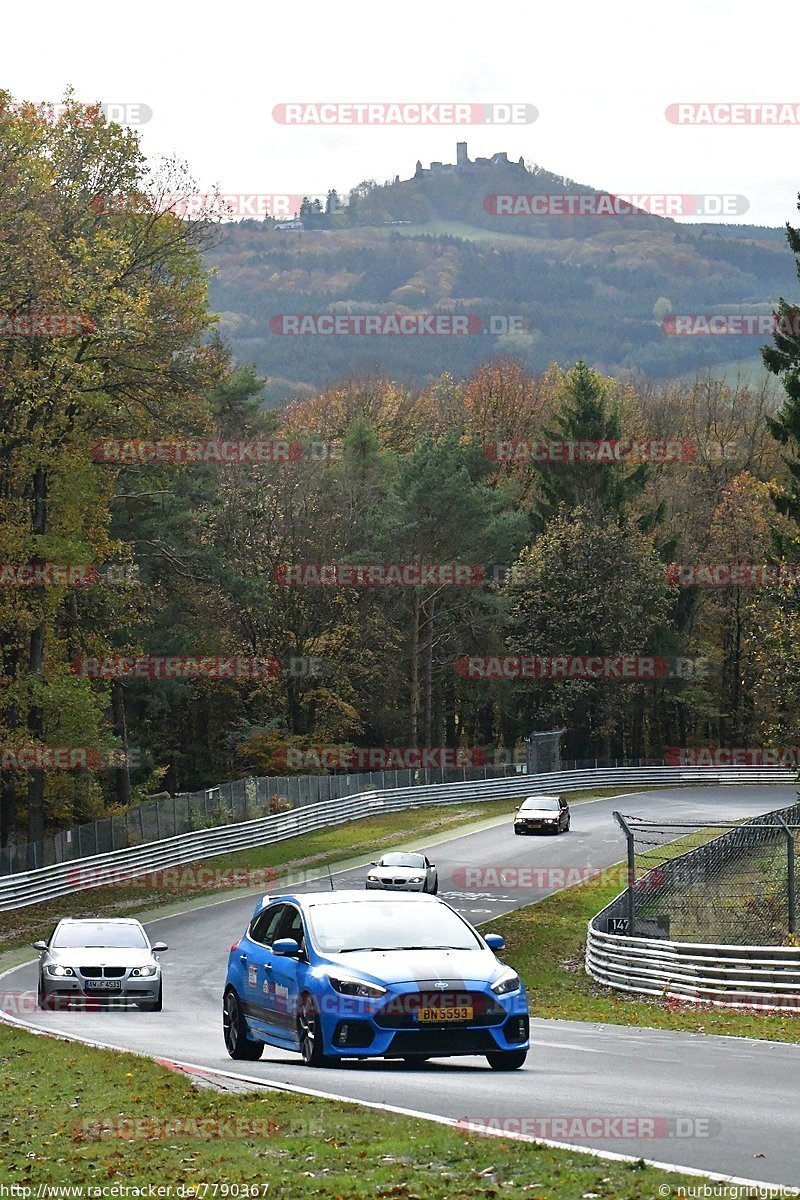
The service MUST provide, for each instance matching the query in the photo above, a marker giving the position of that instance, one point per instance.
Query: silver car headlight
(372, 878)
(356, 987)
(59, 971)
(508, 982)
(416, 879)
(144, 972)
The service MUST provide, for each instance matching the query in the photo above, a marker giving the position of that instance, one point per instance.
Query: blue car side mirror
(494, 941)
(287, 947)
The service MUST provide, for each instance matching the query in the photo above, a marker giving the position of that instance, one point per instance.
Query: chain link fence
(728, 884)
(166, 816)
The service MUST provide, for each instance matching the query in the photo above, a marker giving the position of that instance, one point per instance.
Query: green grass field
(81, 1116)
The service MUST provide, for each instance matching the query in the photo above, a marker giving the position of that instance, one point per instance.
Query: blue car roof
(306, 900)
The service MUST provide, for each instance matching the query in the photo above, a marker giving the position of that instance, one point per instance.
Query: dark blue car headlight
(508, 982)
(356, 987)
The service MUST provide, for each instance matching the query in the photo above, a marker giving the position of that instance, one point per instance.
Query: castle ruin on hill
(464, 163)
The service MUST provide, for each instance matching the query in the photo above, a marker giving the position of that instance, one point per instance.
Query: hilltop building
(464, 163)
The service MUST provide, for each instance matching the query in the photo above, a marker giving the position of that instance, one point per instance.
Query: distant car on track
(353, 974)
(401, 871)
(547, 814)
(102, 959)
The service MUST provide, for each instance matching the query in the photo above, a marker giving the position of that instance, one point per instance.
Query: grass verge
(309, 851)
(87, 1117)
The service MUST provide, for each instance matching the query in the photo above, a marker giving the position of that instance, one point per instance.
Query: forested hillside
(180, 553)
(596, 287)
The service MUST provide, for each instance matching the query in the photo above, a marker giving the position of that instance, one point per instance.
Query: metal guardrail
(49, 883)
(166, 816)
(729, 976)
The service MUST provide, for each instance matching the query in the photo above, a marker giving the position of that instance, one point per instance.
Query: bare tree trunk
(414, 699)
(122, 772)
(35, 720)
(8, 783)
(429, 673)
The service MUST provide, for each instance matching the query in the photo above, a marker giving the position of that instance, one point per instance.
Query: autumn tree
(104, 311)
(586, 586)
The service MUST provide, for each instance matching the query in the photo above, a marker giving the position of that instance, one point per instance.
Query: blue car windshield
(389, 925)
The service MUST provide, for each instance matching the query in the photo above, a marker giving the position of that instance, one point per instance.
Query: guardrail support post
(631, 871)
(790, 890)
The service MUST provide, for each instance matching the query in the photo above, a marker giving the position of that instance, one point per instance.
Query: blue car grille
(442, 1041)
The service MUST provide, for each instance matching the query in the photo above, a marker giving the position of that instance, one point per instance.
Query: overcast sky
(600, 76)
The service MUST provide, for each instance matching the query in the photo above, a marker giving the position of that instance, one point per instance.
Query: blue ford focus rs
(371, 975)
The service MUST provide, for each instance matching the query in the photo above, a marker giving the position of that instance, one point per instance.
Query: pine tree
(783, 359)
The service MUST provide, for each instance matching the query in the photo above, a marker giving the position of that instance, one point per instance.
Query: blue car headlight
(508, 982)
(356, 987)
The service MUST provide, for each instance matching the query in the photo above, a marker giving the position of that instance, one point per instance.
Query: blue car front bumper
(404, 1023)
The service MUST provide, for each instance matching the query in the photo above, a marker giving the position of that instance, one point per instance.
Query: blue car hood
(411, 966)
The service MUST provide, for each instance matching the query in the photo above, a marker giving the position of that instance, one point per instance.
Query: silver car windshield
(99, 934)
(403, 860)
(339, 928)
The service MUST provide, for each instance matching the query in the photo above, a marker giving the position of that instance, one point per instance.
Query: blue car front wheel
(506, 1060)
(309, 1033)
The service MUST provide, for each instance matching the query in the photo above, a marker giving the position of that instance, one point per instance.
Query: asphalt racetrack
(726, 1105)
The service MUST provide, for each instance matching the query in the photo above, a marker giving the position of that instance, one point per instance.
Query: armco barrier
(728, 976)
(48, 883)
